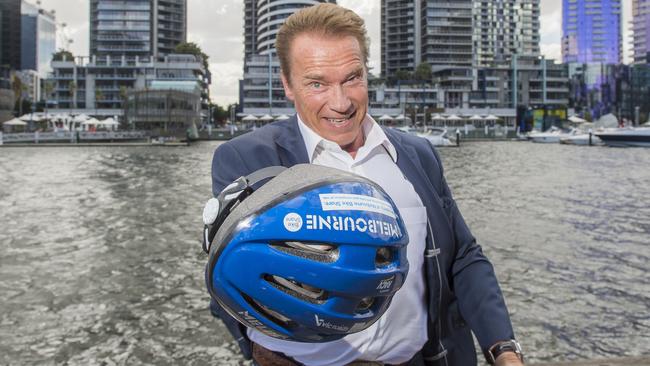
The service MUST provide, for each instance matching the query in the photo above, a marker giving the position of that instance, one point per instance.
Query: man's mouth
(341, 121)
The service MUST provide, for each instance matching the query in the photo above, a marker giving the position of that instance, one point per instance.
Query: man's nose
(339, 100)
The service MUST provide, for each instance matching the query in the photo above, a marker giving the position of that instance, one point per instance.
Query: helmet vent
(319, 252)
(272, 315)
(300, 290)
(365, 304)
(384, 257)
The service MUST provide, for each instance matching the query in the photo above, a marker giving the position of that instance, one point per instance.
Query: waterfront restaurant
(165, 109)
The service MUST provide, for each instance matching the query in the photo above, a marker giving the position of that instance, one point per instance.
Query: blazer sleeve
(480, 300)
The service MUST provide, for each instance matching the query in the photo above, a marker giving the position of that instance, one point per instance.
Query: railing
(72, 136)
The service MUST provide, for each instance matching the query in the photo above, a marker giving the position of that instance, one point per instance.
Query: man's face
(329, 87)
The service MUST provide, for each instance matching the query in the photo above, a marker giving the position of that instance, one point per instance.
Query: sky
(217, 26)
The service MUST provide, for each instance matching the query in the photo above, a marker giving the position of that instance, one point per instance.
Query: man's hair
(323, 19)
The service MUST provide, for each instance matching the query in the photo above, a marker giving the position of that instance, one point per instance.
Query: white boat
(580, 139)
(623, 137)
(552, 135)
(436, 136)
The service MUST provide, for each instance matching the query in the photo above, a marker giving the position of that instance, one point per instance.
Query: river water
(100, 260)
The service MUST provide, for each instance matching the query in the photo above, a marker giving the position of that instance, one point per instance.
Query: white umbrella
(385, 117)
(91, 121)
(492, 118)
(15, 122)
(81, 118)
(266, 117)
(400, 117)
(109, 122)
(476, 117)
(30, 117)
(454, 117)
(281, 117)
(437, 117)
(250, 117)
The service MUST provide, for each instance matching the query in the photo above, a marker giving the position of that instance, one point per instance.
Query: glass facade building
(38, 39)
(143, 28)
(121, 28)
(591, 31)
(504, 28)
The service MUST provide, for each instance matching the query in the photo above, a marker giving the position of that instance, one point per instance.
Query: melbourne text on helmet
(346, 223)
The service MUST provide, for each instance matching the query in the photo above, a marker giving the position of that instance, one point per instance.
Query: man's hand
(508, 359)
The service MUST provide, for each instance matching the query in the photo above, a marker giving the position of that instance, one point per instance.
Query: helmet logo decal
(292, 222)
(346, 223)
(355, 202)
(385, 284)
(325, 324)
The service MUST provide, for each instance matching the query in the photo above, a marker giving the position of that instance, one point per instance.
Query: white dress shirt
(402, 330)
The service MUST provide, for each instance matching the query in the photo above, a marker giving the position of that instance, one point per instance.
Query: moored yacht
(624, 137)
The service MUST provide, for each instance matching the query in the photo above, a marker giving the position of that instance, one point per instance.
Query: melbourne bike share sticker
(294, 222)
(355, 202)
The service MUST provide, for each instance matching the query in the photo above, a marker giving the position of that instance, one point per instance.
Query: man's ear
(287, 87)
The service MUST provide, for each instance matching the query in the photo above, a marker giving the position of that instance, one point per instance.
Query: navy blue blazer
(462, 290)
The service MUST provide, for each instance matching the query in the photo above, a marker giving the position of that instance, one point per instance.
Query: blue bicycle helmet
(313, 255)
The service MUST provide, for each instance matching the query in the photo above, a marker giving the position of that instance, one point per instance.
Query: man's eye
(316, 85)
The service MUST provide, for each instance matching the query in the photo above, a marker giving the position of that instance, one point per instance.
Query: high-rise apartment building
(261, 92)
(641, 31)
(461, 33)
(143, 28)
(503, 28)
(591, 31)
(412, 32)
(10, 31)
(263, 19)
(38, 39)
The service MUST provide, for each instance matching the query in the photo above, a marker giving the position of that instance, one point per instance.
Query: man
(451, 289)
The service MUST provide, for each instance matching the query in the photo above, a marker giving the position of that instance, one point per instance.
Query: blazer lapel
(292, 148)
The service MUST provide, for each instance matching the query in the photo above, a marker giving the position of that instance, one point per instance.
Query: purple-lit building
(591, 31)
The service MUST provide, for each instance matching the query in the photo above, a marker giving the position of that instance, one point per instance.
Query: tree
(19, 88)
(73, 93)
(62, 55)
(192, 48)
(423, 72)
(48, 89)
(403, 75)
(220, 114)
(124, 92)
(98, 96)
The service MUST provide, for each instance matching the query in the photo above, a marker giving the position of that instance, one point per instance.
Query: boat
(624, 137)
(552, 135)
(436, 136)
(580, 139)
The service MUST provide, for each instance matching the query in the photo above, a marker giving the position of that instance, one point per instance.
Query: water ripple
(100, 262)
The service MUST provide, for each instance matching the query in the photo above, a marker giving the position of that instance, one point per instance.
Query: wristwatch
(504, 346)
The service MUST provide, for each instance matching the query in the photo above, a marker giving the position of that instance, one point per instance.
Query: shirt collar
(374, 136)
